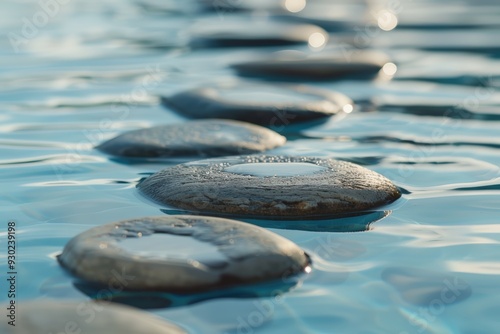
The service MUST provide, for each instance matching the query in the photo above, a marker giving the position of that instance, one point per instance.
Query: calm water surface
(96, 69)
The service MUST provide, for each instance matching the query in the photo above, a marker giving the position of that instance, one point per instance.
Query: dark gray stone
(203, 138)
(152, 251)
(354, 65)
(267, 105)
(270, 187)
(245, 32)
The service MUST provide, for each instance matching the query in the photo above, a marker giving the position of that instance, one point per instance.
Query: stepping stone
(55, 316)
(203, 138)
(296, 66)
(245, 32)
(445, 17)
(181, 254)
(267, 105)
(270, 187)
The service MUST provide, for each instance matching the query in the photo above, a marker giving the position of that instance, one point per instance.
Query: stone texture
(202, 138)
(251, 255)
(54, 316)
(204, 186)
(296, 104)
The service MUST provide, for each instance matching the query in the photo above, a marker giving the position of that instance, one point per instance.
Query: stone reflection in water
(53, 316)
(161, 299)
(352, 223)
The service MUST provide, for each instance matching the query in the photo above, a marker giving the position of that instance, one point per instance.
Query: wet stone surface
(182, 254)
(262, 187)
(267, 105)
(203, 138)
(51, 316)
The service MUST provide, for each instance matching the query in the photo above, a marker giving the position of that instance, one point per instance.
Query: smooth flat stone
(427, 288)
(267, 105)
(229, 187)
(203, 138)
(358, 64)
(246, 32)
(181, 254)
(55, 316)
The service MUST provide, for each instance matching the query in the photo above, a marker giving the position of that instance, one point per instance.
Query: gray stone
(357, 64)
(267, 105)
(247, 32)
(203, 138)
(181, 254)
(425, 287)
(270, 187)
(55, 316)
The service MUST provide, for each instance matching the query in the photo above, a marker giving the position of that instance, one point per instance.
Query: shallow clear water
(96, 68)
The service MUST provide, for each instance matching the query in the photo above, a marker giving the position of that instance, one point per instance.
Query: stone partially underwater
(202, 138)
(268, 187)
(267, 105)
(355, 64)
(182, 254)
(54, 316)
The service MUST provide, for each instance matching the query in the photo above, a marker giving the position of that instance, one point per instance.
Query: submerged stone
(181, 254)
(261, 186)
(55, 316)
(356, 64)
(267, 105)
(203, 138)
(244, 32)
(427, 288)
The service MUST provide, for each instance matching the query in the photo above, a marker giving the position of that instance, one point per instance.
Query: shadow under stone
(357, 222)
(160, 299)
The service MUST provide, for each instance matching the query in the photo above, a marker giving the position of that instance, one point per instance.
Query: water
(95, 69)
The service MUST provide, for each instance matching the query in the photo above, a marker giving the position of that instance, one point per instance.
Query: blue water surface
(97, 68)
